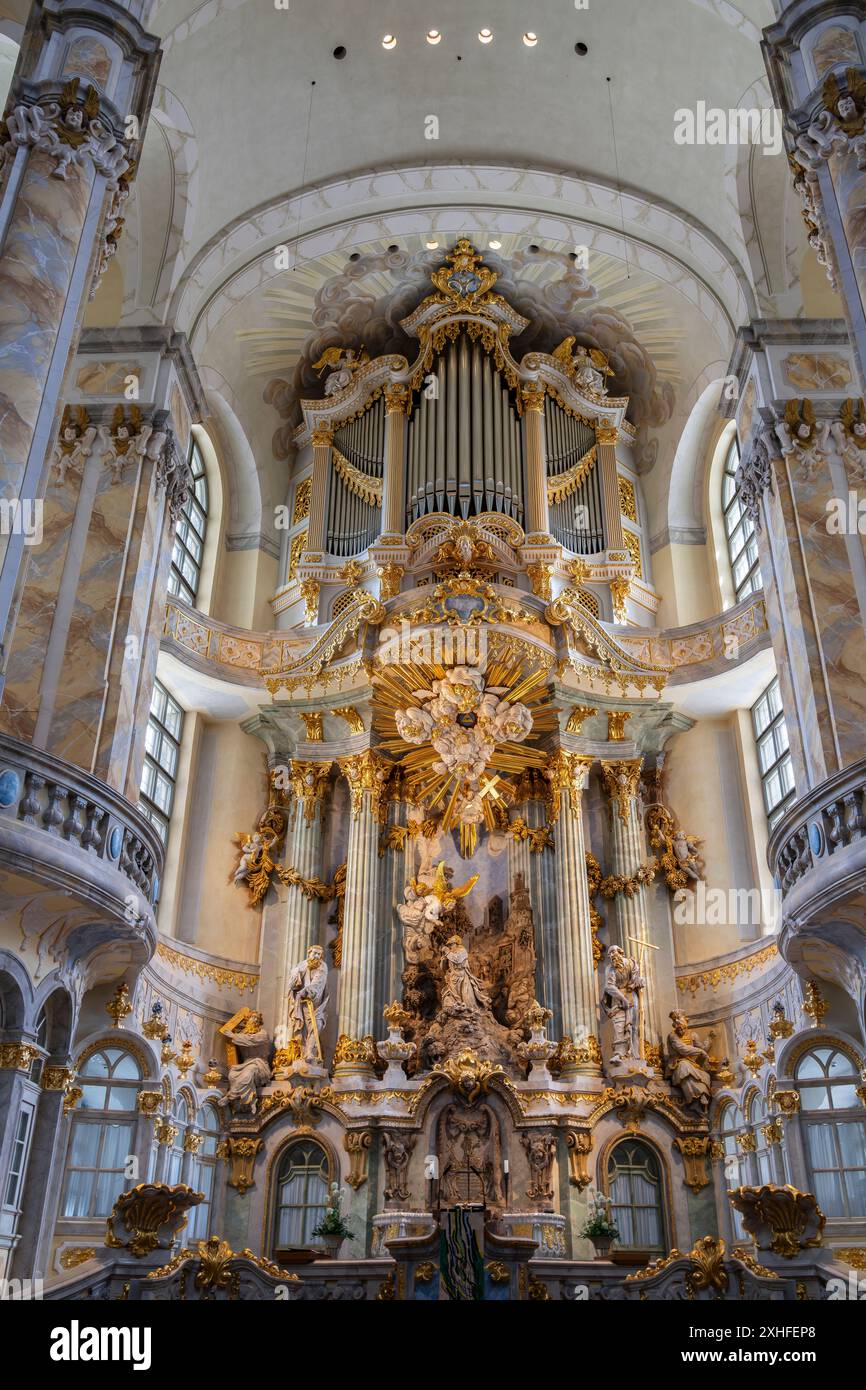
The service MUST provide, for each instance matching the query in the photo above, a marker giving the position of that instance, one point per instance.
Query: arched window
(161, 756)
(103, 1132)
(186, 557)
(763, 1156)
(301, 1194)
(174, 1157)
(732, 1128)
(203, 1171)
(739, 531)
(835, 1131)
(634, 1186)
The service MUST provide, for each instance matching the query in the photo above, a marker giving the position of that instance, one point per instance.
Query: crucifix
(642, 945)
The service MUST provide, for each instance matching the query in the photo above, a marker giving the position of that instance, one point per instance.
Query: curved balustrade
(829, 819)
(68, 805)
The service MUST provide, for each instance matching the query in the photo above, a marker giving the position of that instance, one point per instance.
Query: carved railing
(69, 805)
(819, 825)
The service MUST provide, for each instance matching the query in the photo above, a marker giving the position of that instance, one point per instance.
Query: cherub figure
(588, 367)
(343, 363)
(75, 444)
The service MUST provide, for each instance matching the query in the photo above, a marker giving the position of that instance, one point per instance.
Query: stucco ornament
(463, 720)
(838, 128)
(69, 129)
(849, 436)
(804, 440)
(342, 366)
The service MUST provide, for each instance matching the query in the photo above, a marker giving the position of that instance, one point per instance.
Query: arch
(58, 1004)
(279, 1233)
(141, 1049)
(16, 995)
(800, 1043)
(665, 1205)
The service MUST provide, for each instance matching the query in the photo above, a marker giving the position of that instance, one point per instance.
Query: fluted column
(628, 845)
(366, 774)
(301, 925)
(537, 515)
(394, 480)
(66, 166)
(321, 439)
(610, 508)
(568, 775)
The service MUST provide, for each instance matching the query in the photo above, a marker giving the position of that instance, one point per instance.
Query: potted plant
(598, 1226)
(332, 1229)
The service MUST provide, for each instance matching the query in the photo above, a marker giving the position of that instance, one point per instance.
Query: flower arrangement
(332, 1224)
(598, 1225)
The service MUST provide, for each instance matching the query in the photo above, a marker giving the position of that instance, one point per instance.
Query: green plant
(332, 1224)
(600, 1228)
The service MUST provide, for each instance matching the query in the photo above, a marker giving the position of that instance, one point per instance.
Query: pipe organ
(464, 438)
(573, 481)
(354, 504)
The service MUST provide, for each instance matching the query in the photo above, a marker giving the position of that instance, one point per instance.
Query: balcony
(817, 853)
(79, 864)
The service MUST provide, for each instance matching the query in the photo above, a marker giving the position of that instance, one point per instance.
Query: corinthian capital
(366, 772)
(621, 782)
(310, 785)
(567, 775)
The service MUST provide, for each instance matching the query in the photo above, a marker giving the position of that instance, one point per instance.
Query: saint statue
(463, 992)
(308, 1003)
(688, 1064)
(621, 1002)
(251, 1044)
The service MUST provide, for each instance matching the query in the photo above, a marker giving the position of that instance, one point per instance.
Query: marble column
(81, 660)
(628, 853)
(537, 514)
(394, 478)
(299, 924)
(321, 439)
(606, 464)
(816, 73)
(366, 774)
(568, 775)
(85, 78)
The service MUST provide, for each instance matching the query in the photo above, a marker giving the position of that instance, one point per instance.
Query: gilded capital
(621, 782)
(567, 774)
(577, 718)
(365, 772)
(533, 397)
(322, 437)
(310, 785)
(396, 399)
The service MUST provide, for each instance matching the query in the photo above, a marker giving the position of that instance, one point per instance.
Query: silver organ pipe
(577, 520)
(465, 447)
(352, 520)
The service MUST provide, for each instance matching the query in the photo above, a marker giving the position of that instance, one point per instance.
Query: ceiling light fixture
(485, 35)
(433, 36)
(431, 245)
(389, 41)
(494, 244)
(530, 39)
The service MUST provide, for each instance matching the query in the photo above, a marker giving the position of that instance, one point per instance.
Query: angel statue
(802, 437)
(849, 436)
(255, 865)
(587, 367)
(425, 902)
(343, 363)
(124, 441)
(75, 444)
(680, 860)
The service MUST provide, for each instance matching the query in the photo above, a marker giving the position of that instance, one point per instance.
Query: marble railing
(69, 806)
(829, 819)
(724, 640)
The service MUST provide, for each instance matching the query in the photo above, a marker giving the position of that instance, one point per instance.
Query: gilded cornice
(713, 977)
(204, 970)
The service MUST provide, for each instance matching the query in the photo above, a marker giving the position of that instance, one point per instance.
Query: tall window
(174, 1157)
(774, 758)
(203, 1171)
(634, 1185)
(186, 557)
(103, 1131)
(20, 1147)
(161, 752)
(740, 531)
(835, 1131)
(731, 1126)
(302, 1194)
(763, 1156)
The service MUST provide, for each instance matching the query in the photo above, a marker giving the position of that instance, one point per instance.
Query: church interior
(432, 578)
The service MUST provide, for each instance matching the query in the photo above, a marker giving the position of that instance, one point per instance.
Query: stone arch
(16, 995)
